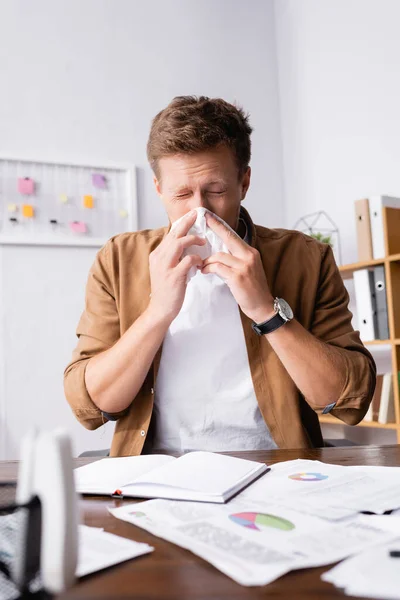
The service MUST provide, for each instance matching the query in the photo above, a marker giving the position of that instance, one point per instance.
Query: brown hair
(191, 124)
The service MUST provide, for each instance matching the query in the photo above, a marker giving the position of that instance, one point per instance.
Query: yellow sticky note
(88, 201)
(64, 198)
(12, 208)
(123, 213)
(27, 211)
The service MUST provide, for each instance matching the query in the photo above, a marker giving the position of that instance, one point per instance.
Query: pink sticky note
(78, 227)
(99, 180)
(26, 186)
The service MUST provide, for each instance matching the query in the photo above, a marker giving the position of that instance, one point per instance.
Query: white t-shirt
(204, 393)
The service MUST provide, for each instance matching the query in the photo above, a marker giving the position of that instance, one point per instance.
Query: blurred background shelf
(385, 352)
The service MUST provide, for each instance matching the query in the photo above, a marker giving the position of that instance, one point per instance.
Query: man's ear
(245, 183)
(157, 185)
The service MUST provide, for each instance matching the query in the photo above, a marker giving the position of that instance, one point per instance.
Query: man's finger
(184, 225)
(225, 259)
(179, 246)
(191, 240)
(218, 269)
(189, 261)
(233, 242)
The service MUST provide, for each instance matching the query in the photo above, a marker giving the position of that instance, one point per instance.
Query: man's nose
(200, 200)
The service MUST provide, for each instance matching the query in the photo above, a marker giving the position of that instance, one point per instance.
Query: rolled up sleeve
(332, 324)
(98, 329)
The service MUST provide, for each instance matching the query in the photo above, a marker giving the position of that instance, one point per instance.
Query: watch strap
(269, 326)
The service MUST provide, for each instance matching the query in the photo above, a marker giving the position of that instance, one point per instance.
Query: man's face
(208, 179)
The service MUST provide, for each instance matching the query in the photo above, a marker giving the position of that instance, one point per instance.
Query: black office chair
(340, 442)
(88, 453)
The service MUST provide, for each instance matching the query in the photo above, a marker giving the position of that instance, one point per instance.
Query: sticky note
(78, 227)
(27, 211)
(99, 180)
(12, 208)
(88, 201)
(64, 198)
(123, 213)
(26, 186)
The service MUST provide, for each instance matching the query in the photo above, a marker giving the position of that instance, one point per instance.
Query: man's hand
(243, 272)
(168, 270)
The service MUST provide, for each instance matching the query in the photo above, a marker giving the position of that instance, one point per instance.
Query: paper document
(98, 550)
(254, 543)
(372, 573)
(328, 491)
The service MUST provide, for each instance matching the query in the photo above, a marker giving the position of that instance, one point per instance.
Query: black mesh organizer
(20, 533)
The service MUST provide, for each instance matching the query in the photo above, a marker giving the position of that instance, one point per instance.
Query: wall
(41, 303)
(81, 81)
(339, 99)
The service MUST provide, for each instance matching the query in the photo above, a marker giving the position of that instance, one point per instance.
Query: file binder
(381, 303)
(386, 409)
(363, 228)
(376, 400)
(372, 413)
(376, 204)
(366, 304)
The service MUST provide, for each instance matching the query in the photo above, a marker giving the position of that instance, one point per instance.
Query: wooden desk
(173, 573)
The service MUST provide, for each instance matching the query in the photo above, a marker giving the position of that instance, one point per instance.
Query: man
(133, 340)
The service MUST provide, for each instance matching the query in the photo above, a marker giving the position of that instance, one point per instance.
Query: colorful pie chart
(308, 477)
(258, 521)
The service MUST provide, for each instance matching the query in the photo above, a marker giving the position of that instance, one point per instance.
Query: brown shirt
(298, 269)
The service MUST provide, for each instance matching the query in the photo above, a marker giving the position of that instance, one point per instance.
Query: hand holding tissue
(213, 243)
(168, 270)
(240, 266)
(200, 240)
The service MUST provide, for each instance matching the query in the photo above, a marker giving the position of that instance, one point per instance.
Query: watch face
(284, 309)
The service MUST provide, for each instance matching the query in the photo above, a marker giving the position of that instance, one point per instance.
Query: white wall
(81, 80)
(41, 302)
(339, 93)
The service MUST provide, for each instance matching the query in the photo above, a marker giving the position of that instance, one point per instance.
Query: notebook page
(106, 475)
(203, 472)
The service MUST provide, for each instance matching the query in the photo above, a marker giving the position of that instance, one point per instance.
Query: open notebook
(198, 476)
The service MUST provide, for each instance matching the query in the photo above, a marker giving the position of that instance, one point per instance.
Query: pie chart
(259, 521)
(308, 476)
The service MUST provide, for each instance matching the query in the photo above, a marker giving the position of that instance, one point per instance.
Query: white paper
(329, 491)
(389, 523)
(253, 543)
(370, 574)
(98, 550)
(106, 475)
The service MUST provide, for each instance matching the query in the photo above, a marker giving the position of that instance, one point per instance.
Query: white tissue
(214, 243)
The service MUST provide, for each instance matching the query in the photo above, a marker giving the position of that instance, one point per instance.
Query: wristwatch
(283, 315)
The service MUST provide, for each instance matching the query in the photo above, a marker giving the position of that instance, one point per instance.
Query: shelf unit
(391, 262)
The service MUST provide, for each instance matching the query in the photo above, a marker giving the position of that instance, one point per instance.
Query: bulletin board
(65, 204)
